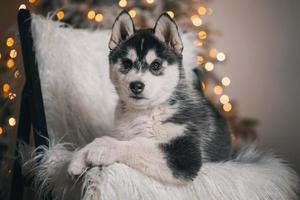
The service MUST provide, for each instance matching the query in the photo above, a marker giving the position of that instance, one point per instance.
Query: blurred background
(247, 58)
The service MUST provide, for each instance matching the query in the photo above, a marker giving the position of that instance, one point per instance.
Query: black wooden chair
(32, 114)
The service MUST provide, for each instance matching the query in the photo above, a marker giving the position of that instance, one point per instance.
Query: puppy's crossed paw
(76, 167)
(102, 151)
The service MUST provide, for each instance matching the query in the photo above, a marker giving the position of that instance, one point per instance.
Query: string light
(11, 95)
(200, 59)
(221, 56)
(91, 14)
(226, 81)
(132, 13)
(150, 1)
(10, 63)
(12, 121)
(13, 53)
(218, 89)
(10, 42)
(60, 15)
(209, 66)
(122, 3)
(171, 13)
(224, 99)
(99, 17)
(196, 20)
(213, 53)
(32, 1)
(202, 35)
(202, 10)
(22, 6)
(1, 131)
(5, 87)
(227, 107)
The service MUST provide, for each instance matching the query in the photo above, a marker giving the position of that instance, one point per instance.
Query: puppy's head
(145, 65)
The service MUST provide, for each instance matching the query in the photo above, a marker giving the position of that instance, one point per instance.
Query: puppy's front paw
(77, 164)
(105, 151)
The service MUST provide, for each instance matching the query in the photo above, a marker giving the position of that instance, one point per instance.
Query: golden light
(122, 3)
(202, 10)
(226, 81)
(224, 99)
(10, 42)
(91, 14)
(5, 87)
(99, 17)
(11, 95)
(150, 1)
(12, 121)
(202, 35)
(171, 13)
(196, 20)
(221, 56)
(218, 89)
(60, 15)
(227, 107)
(10, 63)
(22, 6)
(200, 59)
(13, 53)
(213, 53)
(32, 1)
(209, 66)
(132, 13)
(1, 131)
(0, 56)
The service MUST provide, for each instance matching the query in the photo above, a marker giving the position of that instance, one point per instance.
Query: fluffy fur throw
(79, 103)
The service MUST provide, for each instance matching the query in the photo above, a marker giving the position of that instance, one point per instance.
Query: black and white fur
(164, 128)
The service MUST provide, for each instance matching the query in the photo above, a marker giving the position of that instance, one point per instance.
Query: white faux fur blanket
(251, 175)
(79, 102)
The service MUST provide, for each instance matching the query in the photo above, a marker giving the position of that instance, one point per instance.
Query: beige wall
(262, 41)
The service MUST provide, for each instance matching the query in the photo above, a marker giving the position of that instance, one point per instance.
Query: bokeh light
(12, 121)
(196, 20)
(60, 15)
(226, 81)
(209, 66)
(99, 17)
(132, 13)
(218, 89)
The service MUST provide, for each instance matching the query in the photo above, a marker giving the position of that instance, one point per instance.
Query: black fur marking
(211, 126)
(183, 155)
(150, 42)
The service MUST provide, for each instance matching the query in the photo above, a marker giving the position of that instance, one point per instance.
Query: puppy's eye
(155, 65)
(127, 64)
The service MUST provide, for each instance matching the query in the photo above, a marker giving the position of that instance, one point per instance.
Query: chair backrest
(73, 66)
(32, 114)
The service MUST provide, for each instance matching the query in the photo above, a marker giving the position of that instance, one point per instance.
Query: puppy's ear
(123, 28)
(166, 30)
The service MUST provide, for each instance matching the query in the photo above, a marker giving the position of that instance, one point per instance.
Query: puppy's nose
(137, 87)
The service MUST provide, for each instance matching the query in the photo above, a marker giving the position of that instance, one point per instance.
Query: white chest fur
(148, 123)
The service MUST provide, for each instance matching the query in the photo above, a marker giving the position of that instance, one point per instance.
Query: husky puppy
(164, 127)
